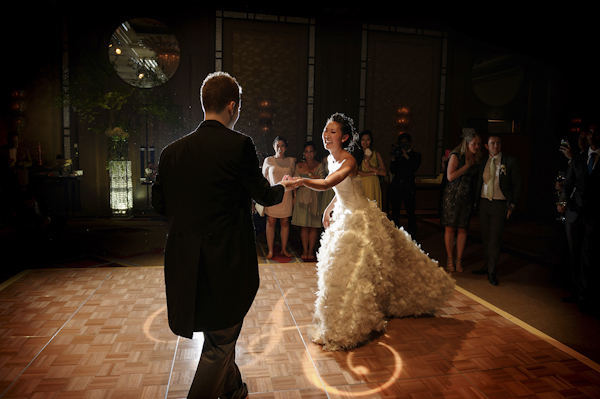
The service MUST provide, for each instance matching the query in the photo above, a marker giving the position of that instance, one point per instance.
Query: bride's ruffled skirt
(369, 270)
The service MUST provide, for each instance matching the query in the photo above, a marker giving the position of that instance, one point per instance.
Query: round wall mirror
(496, 78)
(145, 54)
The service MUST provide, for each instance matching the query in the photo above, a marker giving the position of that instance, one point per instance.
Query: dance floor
(102, 333)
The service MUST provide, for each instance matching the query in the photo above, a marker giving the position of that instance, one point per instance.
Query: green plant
(104, 102)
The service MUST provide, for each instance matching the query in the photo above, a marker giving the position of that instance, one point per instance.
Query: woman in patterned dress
(458, 198)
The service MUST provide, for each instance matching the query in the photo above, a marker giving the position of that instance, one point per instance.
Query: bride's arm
(348, 166)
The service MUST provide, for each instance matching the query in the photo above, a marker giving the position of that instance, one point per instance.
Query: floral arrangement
(118, 144)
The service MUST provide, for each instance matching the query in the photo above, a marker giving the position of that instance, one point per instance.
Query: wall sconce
(575, 125)
(265, 115)
(402, 119)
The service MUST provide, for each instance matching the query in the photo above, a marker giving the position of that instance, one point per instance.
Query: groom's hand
(289, 183)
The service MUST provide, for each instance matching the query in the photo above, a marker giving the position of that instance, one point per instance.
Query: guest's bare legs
(270, 232)
(461, 241)
(449, 242)
(284, 223)
(308, 236)
(312, 240)
(304, 233)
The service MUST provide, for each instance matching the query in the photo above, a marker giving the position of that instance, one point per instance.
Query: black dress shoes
(493, 279)
(483, 270)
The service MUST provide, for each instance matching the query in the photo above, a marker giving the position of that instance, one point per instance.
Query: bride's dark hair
(347, 125)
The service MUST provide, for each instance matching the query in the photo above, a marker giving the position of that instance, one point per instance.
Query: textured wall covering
(270, 61)
(404, 70)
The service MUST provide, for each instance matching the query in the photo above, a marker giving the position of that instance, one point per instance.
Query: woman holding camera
(404, 165)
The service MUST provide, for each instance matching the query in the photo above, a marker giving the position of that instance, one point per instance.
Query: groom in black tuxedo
(498, 190)
(205, 185)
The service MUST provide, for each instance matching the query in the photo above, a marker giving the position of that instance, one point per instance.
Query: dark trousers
(575, 233)
(590, 261)
(492, 217)
(217, 375)
(404, 192)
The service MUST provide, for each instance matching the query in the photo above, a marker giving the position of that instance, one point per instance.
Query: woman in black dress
(458, 199)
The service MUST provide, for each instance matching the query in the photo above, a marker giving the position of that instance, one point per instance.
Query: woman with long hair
(307, 203)
(368, 270)
(370, 167)
(458, 199)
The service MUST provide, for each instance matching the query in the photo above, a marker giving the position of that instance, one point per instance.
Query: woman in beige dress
(274, 169)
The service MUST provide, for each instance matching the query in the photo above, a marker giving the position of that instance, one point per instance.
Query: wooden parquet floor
(103, 333)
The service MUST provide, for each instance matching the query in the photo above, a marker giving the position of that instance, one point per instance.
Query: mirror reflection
(144, 52)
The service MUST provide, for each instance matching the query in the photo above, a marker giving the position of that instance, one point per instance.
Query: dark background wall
(423, 59)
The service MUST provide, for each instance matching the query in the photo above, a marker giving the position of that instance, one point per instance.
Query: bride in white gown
(368, 270)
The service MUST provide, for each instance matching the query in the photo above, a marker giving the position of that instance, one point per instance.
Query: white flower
(502, 169)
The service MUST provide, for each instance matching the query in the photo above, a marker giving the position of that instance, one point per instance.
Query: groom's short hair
(218, 90)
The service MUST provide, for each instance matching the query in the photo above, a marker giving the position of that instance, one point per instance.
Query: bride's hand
(327, 219)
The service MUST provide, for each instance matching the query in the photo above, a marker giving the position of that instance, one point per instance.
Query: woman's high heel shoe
(450, 265)
(459, 267)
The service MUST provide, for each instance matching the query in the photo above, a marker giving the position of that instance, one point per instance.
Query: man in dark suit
(498, 190)
(581, 191)
(405, 163)
(205, 185)
(573, 224)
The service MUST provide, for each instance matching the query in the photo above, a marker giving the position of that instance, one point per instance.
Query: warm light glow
(363, 370)
(141, 76)
(121, 187)
(118, 51)
(265, 343)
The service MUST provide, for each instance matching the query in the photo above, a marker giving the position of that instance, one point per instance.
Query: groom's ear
(231, 107)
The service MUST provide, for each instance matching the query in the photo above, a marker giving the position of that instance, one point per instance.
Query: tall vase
(121, 181)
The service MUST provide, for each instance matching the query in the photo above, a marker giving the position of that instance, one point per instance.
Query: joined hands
(291, 183)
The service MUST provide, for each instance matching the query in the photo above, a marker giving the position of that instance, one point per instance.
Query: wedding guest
(404, 165)
(274, 168)
(581, 193)
(458, 198)
(371, 167)
(582, 144)
(572, 223)
(498, 191)
(307, 203)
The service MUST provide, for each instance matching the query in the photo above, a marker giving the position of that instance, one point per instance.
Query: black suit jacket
(404, 169)
(510, 179)
(205, 185)
(581, 190)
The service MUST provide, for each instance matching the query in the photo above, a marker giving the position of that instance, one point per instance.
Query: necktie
(491, 180)
(591, 162)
